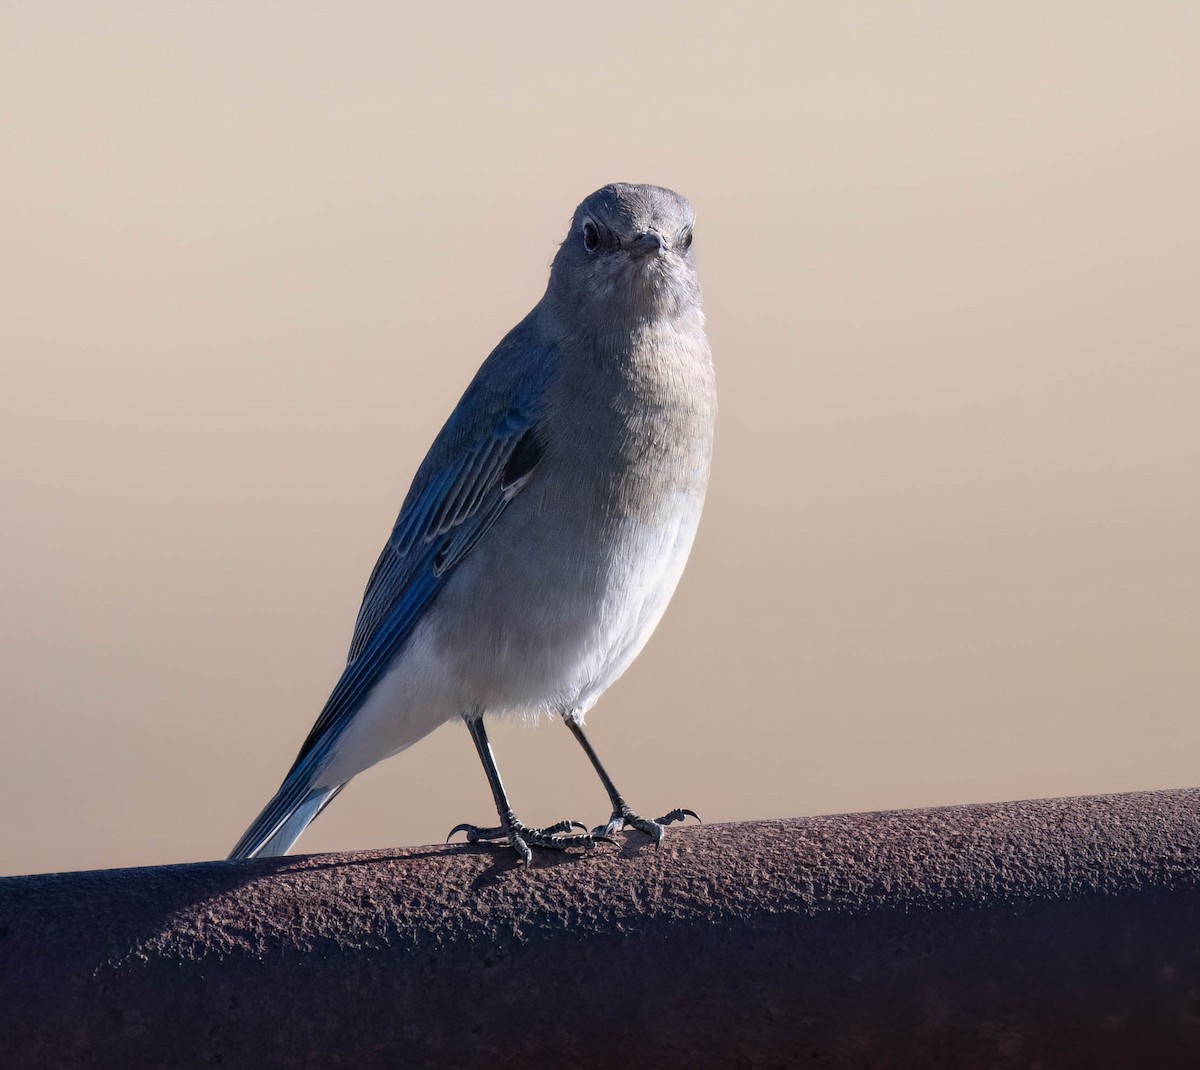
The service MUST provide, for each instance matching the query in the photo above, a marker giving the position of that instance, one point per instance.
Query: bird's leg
(520, 837)
(622, 815)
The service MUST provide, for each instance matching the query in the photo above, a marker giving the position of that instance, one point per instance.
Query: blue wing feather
(437, 527)
(483, 456)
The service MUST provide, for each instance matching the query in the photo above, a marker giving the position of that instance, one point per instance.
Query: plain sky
(253, 252)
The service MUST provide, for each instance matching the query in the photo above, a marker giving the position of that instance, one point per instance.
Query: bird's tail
(288, 814)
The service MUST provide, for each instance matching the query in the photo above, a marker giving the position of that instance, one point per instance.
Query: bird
(543, 534)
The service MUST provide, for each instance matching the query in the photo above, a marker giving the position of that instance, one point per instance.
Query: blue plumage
(546, 528)
(436, 529)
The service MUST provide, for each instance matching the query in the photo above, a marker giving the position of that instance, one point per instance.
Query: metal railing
(1051, 933)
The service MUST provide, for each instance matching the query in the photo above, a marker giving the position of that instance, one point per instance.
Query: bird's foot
(624, 818)
(521, 838)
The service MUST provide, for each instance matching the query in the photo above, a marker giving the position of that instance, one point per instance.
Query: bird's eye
(591, 236)
(687, 240)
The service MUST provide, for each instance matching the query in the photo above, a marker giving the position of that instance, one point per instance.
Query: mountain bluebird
(545, 530)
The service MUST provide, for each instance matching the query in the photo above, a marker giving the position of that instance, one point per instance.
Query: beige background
(252, 253)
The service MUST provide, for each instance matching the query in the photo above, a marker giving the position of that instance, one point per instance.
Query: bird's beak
(649, 242)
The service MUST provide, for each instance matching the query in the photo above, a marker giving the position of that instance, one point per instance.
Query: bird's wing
(451, 506)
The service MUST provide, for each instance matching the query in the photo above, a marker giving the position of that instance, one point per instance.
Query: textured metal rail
(1052, 933)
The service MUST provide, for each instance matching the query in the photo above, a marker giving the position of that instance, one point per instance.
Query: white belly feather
(565, 669)
(646, 572)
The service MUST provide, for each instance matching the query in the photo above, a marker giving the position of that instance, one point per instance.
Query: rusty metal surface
(1054, 933)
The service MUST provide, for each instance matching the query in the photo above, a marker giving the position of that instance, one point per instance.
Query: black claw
(562, 826)
(624, 818)
(521, 847)
(475, 834)
(521, 839)
(536, 838)
(678, 815)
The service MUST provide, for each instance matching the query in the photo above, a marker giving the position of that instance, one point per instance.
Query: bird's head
(627, 258)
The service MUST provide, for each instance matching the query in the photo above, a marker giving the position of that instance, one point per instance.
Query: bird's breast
(594, 545)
